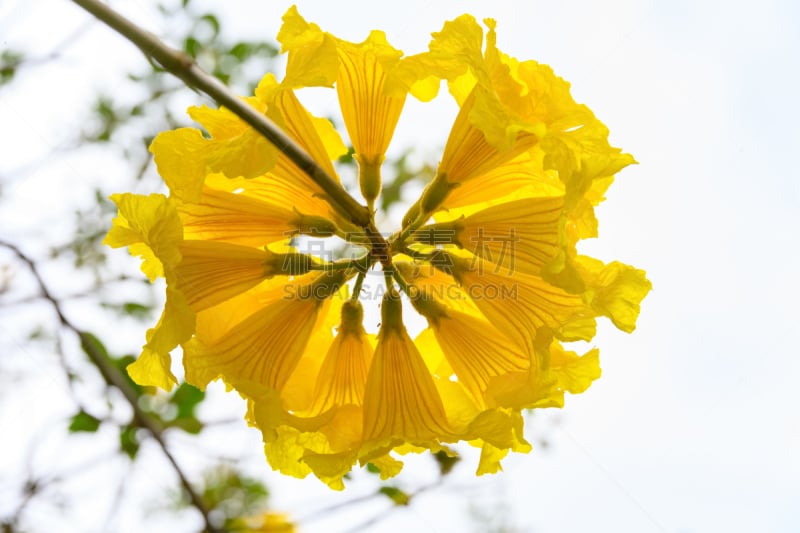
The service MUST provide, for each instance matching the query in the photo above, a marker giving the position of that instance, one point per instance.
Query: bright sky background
(694, 426)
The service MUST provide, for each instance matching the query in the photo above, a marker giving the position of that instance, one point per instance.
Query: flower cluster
(487, 255)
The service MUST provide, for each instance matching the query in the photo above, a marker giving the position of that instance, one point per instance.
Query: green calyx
(352, 317)
(291, 264)
(434, 194)
(315, 226)
(369, 178)
(392, 312)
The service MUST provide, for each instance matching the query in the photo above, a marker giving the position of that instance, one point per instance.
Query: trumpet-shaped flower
(343, 373)
(401, 403)
(487, 255)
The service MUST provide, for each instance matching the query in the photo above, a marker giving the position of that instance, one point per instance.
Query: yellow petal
(454, 51)
(343, 373)
(312, 53)
(475, 349)
(516, 236)
(285, 451)
(316, 135)
(429, 278)
(150, 227)
(432, 354)
(298, 393)
(520, 305)
(221, 123)
(268, 522)
(215, 322)
(212, 272)
(388, 466)
(617, 290)
(574, 373)
(236, 218)
(523, 176)
(184, 157)
(175, 326)
(401, 402)
(369, 113)
(330, 468)
(263, 348)
(480, 81)
(460, 406)
(468, 152)
(489, 462)
(343, 430)
(284, 196)
(502, 428)
(180, 158)
(152, 369)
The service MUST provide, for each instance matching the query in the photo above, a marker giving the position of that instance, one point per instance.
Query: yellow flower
(401, 403)
(370, 83)
(343, 373)
(266, 345)
(268, 522)
(488, 255)
(150, 227)
(476, 351)
(515, 236)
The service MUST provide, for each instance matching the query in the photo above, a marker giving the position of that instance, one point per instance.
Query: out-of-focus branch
(114, 378)
(371, 496)
(184, 67)
(367, 524)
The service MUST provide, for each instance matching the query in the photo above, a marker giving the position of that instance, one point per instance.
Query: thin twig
(114, 378)
(185, 68)
(87, 293)
(367, 524)
(336, 507)
(57, 51)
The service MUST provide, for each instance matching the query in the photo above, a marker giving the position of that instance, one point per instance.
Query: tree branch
(114, 378)
(184, 67)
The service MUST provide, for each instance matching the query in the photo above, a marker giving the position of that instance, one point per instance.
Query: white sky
(694, 426)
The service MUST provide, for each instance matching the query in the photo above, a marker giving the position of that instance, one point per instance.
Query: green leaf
(191, 46)
(129, 441)
(132, 309)
(241, 51)
(83, 421)
(446, 462)
(186, 397)
(9, 62)
(396, 495)
(136, 309)
(212, 21)
(348, 159)
(372, 469)
(190, 425)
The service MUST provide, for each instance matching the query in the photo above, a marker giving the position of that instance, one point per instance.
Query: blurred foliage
(83, 421)
(398, 496)
(231, 494)
(403, 174)
(10, 60)
(446, 461)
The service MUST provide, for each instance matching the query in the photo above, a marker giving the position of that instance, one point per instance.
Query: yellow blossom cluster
(487, 255)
